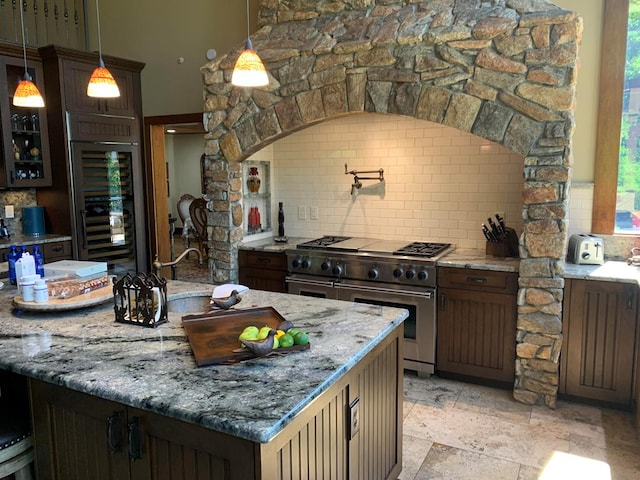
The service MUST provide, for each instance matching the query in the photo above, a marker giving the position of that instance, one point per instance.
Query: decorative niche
(256, 189)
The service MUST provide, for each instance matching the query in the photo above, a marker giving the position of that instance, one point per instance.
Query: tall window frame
(611, 89)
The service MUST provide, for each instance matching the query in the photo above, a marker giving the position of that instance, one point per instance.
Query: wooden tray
(214, 336)
(96, 297)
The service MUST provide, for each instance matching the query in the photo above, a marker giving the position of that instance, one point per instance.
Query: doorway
(174, 144)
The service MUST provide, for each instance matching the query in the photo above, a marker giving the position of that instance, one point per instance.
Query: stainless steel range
(380, 272)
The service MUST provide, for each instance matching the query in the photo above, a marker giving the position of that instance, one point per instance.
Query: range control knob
(296, 262)
(397, 273)
(410, 274)
(373, 273)
(326, 265)
(337, 270)
(423, 275)
(306, 263)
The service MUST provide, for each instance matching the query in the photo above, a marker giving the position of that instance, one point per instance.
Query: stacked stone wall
(504, 70)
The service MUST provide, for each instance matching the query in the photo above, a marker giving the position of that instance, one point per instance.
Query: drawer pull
(477, 280)
(56, 249)
(263, 260)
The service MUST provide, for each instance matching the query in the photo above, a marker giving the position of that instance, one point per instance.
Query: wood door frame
(156, 179)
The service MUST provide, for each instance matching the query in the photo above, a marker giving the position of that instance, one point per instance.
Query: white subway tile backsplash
(440, 183)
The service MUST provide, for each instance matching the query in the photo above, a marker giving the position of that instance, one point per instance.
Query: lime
(286, 340)
(276, 343)
(293, 331)
(301, 338)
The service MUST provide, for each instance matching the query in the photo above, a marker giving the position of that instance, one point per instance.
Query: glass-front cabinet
(25, 144)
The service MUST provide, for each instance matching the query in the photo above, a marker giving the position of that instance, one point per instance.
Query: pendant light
(27, 94)
(102, 84)
(249, 70)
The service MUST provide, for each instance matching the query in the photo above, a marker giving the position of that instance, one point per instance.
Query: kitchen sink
(192, 303)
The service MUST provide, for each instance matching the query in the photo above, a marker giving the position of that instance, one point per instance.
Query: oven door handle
(428, 294)
(306, 281)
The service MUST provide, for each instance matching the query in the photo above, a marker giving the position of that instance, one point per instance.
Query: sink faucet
(157, 265)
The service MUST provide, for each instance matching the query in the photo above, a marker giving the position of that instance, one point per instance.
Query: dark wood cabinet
(263, 270)
(476, 324)
(98, 192)
(598, 353)
(51, 251)
(25, 160)
(77, 74)
(78, 436)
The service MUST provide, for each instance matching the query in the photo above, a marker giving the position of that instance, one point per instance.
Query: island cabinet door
(164, 448)
(77, 436)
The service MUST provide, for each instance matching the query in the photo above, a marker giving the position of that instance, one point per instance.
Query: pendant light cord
(247, 20)
(24, 45)
(99, 34)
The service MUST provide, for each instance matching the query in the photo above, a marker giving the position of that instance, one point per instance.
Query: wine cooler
(107, 204)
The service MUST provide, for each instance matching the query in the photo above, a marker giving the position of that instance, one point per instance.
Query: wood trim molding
(612, 63)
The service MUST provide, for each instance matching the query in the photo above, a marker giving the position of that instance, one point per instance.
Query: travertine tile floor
(458, 431)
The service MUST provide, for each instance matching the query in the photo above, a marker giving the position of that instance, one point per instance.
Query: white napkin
(224, 291)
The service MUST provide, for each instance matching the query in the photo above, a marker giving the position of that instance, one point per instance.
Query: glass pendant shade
(102, 84)
(27, 94)
(249, 70)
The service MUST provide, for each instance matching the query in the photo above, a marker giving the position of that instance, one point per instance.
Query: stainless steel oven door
(419, 327)
(310, 286)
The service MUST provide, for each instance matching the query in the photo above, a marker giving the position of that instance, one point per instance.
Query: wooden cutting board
(214, 336)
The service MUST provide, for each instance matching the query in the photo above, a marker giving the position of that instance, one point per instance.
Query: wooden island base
(80, 436)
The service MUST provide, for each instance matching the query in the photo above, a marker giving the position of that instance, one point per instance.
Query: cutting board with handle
(214, 336)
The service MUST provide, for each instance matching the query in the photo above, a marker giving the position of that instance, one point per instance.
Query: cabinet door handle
(629, 299)
(114, 433)
(442, 302)
(135, 439)
(478, 280)
(83, 214)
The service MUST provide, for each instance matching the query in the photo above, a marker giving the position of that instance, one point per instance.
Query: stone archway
(503, 70)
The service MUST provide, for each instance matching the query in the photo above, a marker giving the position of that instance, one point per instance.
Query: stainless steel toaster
(585, 249)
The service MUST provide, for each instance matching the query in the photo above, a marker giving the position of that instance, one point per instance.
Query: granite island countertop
(154, 369)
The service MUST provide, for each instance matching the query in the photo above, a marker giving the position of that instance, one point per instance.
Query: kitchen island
(130, 401)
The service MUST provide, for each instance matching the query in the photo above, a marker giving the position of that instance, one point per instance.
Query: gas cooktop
(372, 246)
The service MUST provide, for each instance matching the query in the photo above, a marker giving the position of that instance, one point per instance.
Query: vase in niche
(253, 180)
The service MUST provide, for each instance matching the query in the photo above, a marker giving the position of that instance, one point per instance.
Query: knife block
(506, 247)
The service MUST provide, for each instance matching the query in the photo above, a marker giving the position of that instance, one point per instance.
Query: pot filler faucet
(357, 184)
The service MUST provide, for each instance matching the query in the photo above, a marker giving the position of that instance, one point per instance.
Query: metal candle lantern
(140, 300)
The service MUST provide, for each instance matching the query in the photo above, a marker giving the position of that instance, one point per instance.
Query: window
(616, 206)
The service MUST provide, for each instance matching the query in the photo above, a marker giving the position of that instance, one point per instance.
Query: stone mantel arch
(504, 70)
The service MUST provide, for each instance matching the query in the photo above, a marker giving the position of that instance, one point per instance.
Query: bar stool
(16, 452)
(16, 443)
